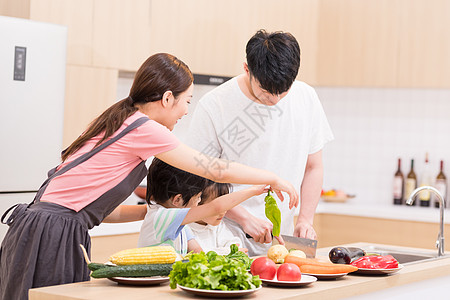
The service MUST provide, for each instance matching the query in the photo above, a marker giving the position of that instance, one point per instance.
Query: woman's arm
(126, 213)
(220, 170)
(221, 204)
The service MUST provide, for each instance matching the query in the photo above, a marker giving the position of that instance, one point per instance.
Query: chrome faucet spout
(440, 239)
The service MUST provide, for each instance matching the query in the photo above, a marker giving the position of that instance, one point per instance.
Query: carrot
(313, 266)
(305, 261)
(333, 269)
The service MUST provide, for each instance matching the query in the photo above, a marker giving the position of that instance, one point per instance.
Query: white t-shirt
(278, 138)
(162, 226)
(214, 238)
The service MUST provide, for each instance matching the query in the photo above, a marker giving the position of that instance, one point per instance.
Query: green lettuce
(211, 271)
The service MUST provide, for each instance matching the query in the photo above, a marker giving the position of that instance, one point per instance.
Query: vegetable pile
(212, 271)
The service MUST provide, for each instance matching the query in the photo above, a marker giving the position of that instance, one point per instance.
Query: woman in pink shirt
(99, 170)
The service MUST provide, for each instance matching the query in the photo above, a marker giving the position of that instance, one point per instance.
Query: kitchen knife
(306, 245)
(290, 242)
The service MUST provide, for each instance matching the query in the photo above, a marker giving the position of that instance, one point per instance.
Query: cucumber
(133, 271)
(95, 266)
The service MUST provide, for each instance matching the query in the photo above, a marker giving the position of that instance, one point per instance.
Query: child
(173, 196)
(211, 233)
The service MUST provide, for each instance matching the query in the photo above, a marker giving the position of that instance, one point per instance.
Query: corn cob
(144, 255)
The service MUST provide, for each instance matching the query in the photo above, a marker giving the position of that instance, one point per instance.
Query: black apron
(42, 245)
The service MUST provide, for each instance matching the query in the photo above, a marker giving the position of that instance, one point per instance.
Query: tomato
(289, 272)
(264, 267)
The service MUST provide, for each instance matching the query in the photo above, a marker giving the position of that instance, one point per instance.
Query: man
(266, 119)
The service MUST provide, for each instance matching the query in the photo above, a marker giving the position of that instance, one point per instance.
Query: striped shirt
(162, 226)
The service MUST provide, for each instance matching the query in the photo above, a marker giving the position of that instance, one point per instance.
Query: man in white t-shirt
(265, 118)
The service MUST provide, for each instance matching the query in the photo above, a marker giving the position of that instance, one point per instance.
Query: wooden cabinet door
(424, 59)
(210, 36)
(358, 43)
(121, 33)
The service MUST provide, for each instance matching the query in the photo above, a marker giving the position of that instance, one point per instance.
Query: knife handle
(250, 237)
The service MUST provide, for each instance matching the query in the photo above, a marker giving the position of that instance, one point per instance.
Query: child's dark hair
(214, 189)
(274, 60)
(165, 182)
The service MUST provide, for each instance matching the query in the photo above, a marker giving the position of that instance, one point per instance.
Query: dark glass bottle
(411, 181)
(398, 186)
(441, 185)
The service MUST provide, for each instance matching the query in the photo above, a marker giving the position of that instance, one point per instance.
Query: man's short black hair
(165, 182)
(273, 60)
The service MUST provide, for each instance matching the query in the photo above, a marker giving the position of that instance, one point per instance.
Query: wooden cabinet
(358, 43)
(210, 36)
(89, 91)
(334, 229)
(424, 47)
(77, 16)
(121, 33)
(384, 43)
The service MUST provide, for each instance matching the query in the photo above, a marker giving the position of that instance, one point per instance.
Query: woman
(99, 170)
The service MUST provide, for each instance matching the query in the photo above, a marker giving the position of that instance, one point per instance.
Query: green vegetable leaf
(214, 272)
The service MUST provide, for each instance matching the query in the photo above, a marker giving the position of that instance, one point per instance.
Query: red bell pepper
(376, 262)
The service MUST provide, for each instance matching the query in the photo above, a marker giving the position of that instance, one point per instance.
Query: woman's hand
(285, 186)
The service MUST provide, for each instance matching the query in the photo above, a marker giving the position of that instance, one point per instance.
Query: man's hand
(305, 229)
(260, 230)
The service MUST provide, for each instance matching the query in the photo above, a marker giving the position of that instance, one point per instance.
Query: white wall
(374, 127)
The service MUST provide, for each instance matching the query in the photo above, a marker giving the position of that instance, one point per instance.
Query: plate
(378, 271)
(154, 280)
(218, 293)
(326, 276)
(335, 198)
(305, 280)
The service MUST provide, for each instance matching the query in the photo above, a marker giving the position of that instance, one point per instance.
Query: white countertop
(351, 208)
(385, 211)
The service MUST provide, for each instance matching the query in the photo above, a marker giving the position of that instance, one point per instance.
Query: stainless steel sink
(404, 257)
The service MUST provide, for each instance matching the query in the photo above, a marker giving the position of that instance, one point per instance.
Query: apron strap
(86, 156)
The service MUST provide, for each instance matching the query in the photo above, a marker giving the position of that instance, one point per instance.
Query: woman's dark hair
(159, 73)
(165, 182)
(274, 60)
(214, 190)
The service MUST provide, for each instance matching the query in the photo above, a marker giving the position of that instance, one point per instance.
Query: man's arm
(310, 195)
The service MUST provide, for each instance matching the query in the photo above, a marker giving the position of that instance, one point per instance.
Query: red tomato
(289, 272)
(264, 267)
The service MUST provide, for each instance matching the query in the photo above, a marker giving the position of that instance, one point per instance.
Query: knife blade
(306, 245)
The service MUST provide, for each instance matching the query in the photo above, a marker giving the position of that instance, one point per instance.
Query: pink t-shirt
(86, 182)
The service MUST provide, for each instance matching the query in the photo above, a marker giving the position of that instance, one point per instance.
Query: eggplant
(345, 255)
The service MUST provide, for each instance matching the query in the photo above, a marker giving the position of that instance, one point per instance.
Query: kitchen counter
(353, 207)
(347, 286)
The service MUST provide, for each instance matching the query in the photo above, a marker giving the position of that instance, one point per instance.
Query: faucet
(440, 239)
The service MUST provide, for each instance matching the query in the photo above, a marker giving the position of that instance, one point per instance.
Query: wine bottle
(441, 185)
(398, 184)
(426, 180)
(411, 181)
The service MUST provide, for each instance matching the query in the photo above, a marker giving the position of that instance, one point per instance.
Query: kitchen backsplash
(373, 127)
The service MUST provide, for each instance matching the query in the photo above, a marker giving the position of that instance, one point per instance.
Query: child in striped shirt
(211, 233)
(173, 196)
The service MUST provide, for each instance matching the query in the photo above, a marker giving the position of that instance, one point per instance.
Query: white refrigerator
(32, 88)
